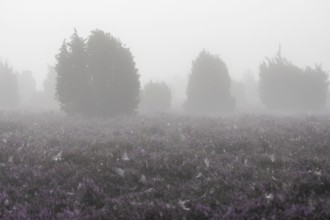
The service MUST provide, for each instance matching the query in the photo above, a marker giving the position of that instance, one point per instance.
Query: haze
(165, 36)
(173, 109)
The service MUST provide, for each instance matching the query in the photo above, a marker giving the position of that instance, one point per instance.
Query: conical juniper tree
(209, 85)
(72, 76)
(286, 87)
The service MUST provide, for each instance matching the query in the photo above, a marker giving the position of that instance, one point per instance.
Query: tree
(238, 90)
(49, 83)
(209, 85)
(27, 87)
(251, 88)
(46, 99)
(8, 86)
(64, 80)
(115, 85)
(156, 96)
(72, 88)
(98, 77)
(286, 87)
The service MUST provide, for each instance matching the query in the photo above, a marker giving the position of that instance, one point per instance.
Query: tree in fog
(47, 96)
(238, 90)
(115, 84)
(209, 85)
(72, 88)
(9, 96)
(45, 99)
(27, 87)
(97, 77)
(178, 86)
(251, 88)
(49, 83)
(284, 86)
(156, 96)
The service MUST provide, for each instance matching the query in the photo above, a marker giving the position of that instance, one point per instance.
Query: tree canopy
(209, 85)
(97, 76)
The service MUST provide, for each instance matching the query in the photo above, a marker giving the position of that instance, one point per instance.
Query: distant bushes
(9, 96)
(155, 97)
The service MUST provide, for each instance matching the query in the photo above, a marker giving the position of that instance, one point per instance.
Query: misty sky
(165, 36)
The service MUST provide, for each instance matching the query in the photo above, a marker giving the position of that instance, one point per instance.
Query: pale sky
(165, 36)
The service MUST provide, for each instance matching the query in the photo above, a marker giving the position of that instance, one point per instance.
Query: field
(164, 167)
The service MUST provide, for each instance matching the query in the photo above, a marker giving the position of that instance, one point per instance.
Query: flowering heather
(164, 167)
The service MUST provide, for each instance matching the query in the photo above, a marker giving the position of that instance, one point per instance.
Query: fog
(166, 36)
(173, 109)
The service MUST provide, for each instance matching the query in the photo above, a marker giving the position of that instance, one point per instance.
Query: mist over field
(164, 110)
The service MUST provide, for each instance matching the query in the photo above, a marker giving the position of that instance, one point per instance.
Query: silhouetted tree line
(97, 76)
(286, 87)
(19, 90)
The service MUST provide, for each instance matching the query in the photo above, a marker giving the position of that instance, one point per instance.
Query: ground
(164, 167)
